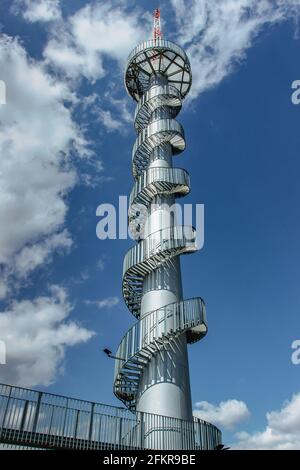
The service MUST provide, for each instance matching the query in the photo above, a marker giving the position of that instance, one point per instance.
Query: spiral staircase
(158, 77)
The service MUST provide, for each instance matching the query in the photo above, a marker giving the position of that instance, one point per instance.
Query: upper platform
(157, 56)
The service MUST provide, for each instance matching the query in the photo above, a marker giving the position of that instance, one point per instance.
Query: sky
(66, 135)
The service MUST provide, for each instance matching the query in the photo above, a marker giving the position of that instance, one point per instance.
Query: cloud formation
(109, 302)
(38, 10)
(225, 415)
(37, 334)
(37, 138)
(93, 33)
(217, 35)
(282, 431)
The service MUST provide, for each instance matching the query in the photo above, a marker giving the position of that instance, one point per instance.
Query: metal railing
(43, 420)
(158, 43)
(159, 180)
(156, 97)
(150, 335)
(172, 62)
(156, 133)
(148, 254)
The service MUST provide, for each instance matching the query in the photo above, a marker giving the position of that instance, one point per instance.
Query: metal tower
(151, 372)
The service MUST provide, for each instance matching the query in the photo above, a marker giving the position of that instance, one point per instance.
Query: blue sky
(67, 126)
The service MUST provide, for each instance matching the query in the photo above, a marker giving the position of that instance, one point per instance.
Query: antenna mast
(157, 34)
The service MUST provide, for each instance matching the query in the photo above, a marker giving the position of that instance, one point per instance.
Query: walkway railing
(43, 420)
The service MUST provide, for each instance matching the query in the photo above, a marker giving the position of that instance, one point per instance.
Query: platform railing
(44, 420)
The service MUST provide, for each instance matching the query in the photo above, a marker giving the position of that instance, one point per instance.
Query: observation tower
(151, 369)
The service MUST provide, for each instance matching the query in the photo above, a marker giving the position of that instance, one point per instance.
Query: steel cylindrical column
(164, 386)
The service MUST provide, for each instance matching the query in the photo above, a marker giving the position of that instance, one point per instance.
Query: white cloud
(226, 415)
(3, 289)
(109, 302)
(217, 35)
(282, 430)
(121, 107)
(117, 118)
(37, 334)
(37, 137)
(93, 32)
(39, 253)
(101, 264)
(109, 122)
(38, 10)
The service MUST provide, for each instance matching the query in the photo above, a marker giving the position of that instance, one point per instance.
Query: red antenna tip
(157, 33)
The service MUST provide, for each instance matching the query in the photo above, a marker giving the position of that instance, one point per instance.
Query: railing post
(6, 408)
(91, 421)
(76, 424)
(51, 418)
(37, 411)
(120, 432)
(183, 434)
(65, 416)
(142, 438)
(23, 419)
